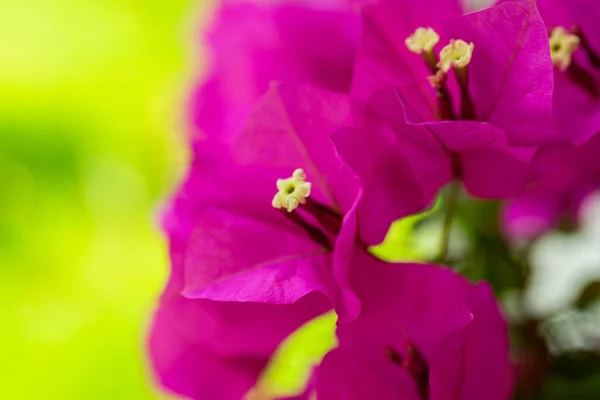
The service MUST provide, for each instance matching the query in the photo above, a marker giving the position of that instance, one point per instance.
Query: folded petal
(209, 349)
(236, 258)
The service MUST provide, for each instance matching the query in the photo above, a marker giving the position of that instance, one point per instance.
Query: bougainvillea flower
(252, 43)
(574, 37)
(499, 57)
(244, 273)
(424, 333)
(564, 175)
(240, 246)
(500, 60)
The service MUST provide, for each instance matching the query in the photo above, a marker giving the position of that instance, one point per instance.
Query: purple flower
(575, 49)
(245, 274)
(507, 68)
(424, 333)
(240, 247)
(500, 61)
(252, 43)
(253, 231)
(564, 175)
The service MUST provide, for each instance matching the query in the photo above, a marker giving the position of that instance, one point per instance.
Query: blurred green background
(91, 140)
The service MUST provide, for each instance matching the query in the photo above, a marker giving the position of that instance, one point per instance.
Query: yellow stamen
(422, 41)
(562, 46)
(456, 54)
(292, 191)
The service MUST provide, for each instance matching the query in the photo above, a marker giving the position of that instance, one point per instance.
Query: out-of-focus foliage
(292, 364)
(90, 97)
(400, 244)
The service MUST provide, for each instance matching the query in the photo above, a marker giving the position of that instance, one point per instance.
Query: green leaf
(398, 244)
(291, 366)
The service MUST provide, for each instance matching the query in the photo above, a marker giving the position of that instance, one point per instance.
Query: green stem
(451, 203)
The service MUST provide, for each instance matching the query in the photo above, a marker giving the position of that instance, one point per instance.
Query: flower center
(292, 192)
(422, 41)
(293, 195)
(456, 54)
(562, 46)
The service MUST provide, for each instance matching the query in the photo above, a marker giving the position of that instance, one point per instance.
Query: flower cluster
(319, 124)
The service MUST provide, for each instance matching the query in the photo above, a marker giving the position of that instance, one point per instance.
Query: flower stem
(451, 203)
(467, 109)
